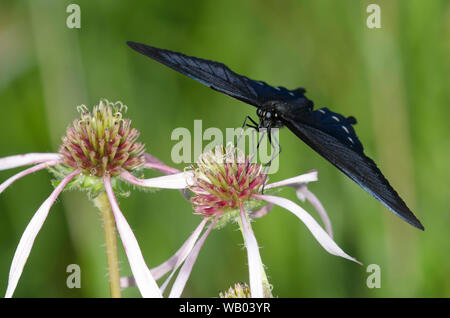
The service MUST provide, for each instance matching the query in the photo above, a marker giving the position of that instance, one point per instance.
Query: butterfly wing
(328, 133)
(332, 136)
(218, 76)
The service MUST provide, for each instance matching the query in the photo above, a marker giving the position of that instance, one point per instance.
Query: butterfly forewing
(212, 74)
(218, 76)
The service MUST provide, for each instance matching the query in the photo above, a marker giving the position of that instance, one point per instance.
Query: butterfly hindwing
(350, 159)
(337, 126)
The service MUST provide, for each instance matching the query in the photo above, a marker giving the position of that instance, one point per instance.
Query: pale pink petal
(304, 178)
(184, 251)
(185, 271)
(255, 264)
(316, 230)
(27, 159)
(29, 235)
(155, 163)
(172, 263)
(151, 159)
(302, 193)
(162, 269)
(262, 211)
(163, 168)
(23, 173)
(144, 280)
(127, 281)
(173, 181)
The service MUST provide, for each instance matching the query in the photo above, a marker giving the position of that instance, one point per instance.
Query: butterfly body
(330, 134)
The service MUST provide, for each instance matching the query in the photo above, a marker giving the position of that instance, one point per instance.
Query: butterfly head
(269, 116)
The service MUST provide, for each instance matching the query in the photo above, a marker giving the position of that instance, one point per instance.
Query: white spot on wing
(345, 128)
(351, 140)
(322, 111)
(277, 88)
(290, 93)
(335, 118)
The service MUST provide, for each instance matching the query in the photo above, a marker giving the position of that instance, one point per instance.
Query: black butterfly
(328, 133)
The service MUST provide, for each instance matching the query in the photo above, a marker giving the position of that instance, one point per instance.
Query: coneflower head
(102, 142)
(224, 179)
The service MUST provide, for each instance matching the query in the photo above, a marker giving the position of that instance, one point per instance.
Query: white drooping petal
(172, 263)
(162, 269)
(173, 181)
(187, 246)
(27, 159)
(23, 173)
(304, 193)
(255, 264)
(144, 279)
(304, 178)
(316, 230)
(29, 235)
(185, 271)
(183, 252)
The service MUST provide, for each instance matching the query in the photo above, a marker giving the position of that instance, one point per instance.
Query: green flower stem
(109, 225)
(267, 288)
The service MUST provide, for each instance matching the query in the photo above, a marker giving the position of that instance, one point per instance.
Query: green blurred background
(394, 80)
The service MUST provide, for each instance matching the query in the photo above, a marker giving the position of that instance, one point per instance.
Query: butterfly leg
(267, 165)
(275, 145)
(255, 126)
(256, 150)
(276, 148)
(260, 139)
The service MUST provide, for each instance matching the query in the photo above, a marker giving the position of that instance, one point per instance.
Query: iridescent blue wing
(219, 77)
(332, 136)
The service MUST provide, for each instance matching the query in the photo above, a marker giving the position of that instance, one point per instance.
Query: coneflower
(227, 187)
(99, 149)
